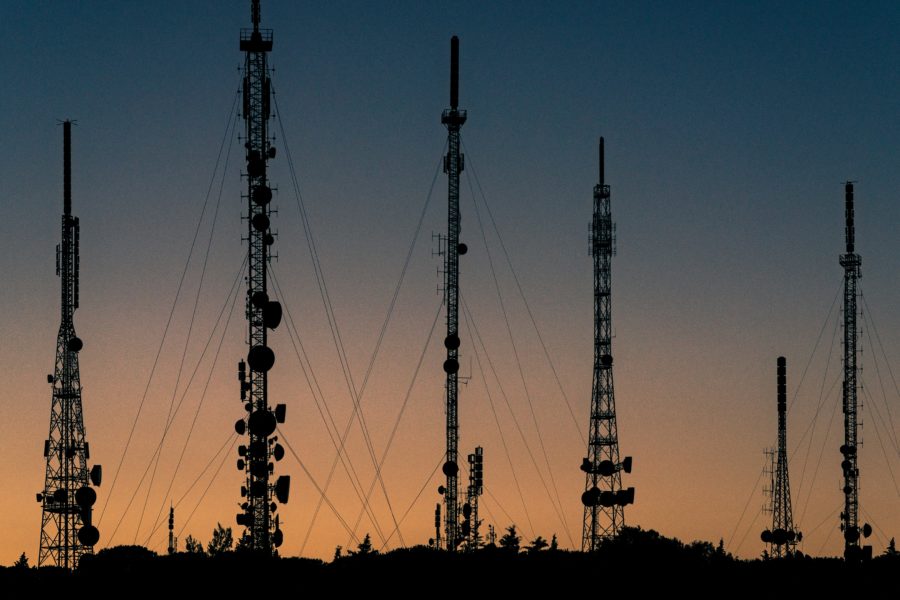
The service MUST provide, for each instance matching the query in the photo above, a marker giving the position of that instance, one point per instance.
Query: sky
(729, 128)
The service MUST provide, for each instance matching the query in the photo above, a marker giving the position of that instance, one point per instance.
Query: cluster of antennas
(607, 498)
(84, 499)
(780, 536)
(476, 488)
(255, 456)
(851, 534)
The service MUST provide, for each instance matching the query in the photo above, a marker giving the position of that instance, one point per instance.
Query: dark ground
(638, 564)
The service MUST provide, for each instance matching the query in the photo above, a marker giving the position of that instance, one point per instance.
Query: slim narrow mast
(67, 532)
(453, 118)
(782, 538)
(849, 465)
(604, 498)
(173, 541)
(262, 533)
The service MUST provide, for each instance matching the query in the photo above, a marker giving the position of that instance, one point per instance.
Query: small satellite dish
(261, 358)
(96, 475)
(283, 488)
(85, 497)
(272, 314)
(262, 423)
(260, 222)
(451, 342)
(259, 299)
(75, 345)
(88, 535)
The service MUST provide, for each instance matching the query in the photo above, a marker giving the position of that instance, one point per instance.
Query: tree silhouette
(891, 549)
(511, 540)
(193, 546)
(22, 563)
(554, 544)
(221, 540)
(364, 547)
(537, 544)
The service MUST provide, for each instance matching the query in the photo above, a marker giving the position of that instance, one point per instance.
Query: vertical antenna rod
(604, 498)
(782, 538)
(173, 543)
(262, 533)
(67, 531)
(453, 118)
(850, 515)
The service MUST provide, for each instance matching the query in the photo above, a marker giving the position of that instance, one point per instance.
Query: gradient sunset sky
(730, 129)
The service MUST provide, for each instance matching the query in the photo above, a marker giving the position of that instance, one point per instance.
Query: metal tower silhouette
(453, 118)
(782, 538)
(173, 541)
(470, 524)
(67, 532)
(261, 533)
(604, 498)
(850, 515)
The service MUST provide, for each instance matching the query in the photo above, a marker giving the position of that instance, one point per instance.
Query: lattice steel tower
(782, 538)
(850, 515)
(67, 498)
(453, 118)
(604, 498)
(262, 532)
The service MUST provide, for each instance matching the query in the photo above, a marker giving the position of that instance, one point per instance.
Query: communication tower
(849, 465)
(782, 538)
(67, 531)
(453, 118)
(256, 457)
(604, 498)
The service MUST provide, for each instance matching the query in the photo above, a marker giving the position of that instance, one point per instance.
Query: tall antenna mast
(604, 498)
(67, 531)
(453, 118)
(782, 538)
(849, 465)
(262, 533)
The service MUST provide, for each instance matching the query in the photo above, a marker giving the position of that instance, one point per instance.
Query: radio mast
(453, 118)
(782, 538)
(850, 515)
(67, 532)
(604, 498)
(263, 314)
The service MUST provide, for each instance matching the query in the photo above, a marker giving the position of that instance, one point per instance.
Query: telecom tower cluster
(851, 262)
(67, 531)
(782, 538)
(262, 532)
(604, 497)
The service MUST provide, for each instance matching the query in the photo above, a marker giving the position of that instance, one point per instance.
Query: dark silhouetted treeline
(634, 565)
